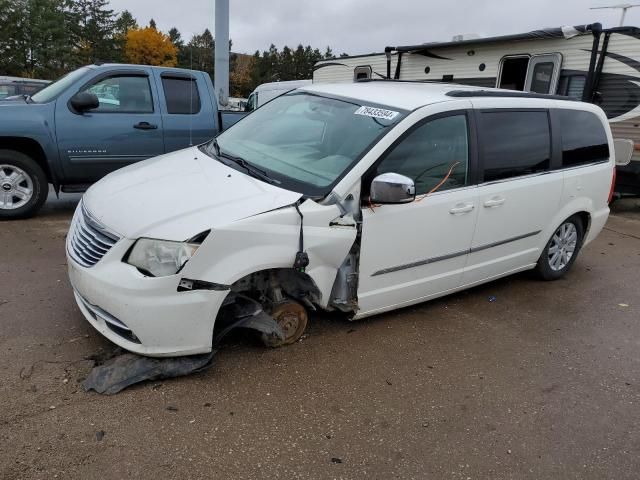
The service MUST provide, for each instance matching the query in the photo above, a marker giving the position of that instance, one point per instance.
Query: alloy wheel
(563, 246)
(16, 187)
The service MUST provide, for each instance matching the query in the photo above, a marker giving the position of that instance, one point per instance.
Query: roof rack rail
(397, 80)
(503, 94)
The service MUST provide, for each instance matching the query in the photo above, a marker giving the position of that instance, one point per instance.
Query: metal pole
(222, 52)
(624, 14)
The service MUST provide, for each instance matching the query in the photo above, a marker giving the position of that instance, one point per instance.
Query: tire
(23, 185)
(561, 249)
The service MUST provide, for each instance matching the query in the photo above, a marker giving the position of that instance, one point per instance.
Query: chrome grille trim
(89, 240)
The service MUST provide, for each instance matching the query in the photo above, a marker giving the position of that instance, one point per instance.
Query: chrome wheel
(562, 246)
(16, 187)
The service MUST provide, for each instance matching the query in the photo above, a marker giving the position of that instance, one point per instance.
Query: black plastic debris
(118, 372)
(128, 369)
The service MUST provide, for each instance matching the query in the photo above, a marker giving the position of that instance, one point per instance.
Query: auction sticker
(376, 113)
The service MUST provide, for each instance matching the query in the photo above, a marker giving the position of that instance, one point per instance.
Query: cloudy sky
(364, 26)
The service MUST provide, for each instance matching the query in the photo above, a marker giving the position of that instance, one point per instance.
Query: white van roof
(288, 85)
(411, 95)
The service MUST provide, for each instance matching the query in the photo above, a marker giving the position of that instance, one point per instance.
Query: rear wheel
(23, 185)
(561, 250)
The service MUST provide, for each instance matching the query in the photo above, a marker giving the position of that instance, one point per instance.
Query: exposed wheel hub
(292, 318)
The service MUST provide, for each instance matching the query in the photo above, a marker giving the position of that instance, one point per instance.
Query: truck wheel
(23, 185)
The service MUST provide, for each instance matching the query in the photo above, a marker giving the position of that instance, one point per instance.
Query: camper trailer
(587, 62)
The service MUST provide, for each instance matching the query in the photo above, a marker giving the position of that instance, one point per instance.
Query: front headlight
(161, 258)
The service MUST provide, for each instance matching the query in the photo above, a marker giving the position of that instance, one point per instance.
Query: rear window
(584, 139)
(514, 143)
(182, 95)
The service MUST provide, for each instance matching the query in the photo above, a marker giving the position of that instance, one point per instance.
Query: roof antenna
(191, 81)
(623, 6)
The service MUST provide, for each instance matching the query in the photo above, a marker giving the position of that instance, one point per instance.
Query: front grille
(89, 240)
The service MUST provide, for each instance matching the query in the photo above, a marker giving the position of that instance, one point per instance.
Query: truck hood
(179, 195)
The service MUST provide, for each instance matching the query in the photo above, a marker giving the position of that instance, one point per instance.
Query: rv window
(584, 139)
(362, 73)
(513, 73)
(572, 86)
(514, 144)
(542, 74)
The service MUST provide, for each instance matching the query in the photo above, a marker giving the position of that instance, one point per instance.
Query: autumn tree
(240, 79)
(148, 46)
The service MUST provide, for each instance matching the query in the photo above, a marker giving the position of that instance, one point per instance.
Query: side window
(513, 72)
(435, 155)
(7, 91)
(572, 86)
(362, 73)
(541, 77)
(251, 102)
(182, 95)
(584, 139)
(123, 94)
(514, 143)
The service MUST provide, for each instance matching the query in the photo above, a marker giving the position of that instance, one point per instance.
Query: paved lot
(543, 382)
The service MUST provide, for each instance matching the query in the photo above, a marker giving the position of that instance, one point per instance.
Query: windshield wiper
(251, 169)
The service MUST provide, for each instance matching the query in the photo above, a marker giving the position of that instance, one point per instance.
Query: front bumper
(144, 315)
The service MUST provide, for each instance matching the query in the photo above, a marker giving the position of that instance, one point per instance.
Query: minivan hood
(178, 195)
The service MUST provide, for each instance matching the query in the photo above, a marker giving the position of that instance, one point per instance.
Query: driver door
(415, 251)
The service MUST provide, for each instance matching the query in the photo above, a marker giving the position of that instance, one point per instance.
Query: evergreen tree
(152, 24)
(200, 52)
(96, 22)
(123, 24)
(183, 54)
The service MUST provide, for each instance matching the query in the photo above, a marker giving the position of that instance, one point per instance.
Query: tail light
(613, 185)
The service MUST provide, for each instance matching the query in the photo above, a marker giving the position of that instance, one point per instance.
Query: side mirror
(623, 150)
(84, 101)
(389, 188)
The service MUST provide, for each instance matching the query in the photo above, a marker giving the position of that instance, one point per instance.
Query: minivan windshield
(56, 88)
(305, 142)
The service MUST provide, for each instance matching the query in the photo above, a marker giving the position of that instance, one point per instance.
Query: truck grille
(88, 240)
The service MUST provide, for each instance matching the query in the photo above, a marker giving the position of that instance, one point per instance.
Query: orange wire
(422, 197)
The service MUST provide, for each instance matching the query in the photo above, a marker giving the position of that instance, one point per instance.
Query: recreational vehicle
(586, 62)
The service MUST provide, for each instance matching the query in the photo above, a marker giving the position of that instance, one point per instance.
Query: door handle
(494, 202)
(145, 126)
(461, 208)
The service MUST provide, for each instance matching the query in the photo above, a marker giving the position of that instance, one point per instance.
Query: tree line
(48, 38)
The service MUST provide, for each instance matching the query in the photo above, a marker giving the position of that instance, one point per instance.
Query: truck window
(182, 95)
(584, 139)
(7, 91)
(429, 152)
(514, 144)
(123, 94)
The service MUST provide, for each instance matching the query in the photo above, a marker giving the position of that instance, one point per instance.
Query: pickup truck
(98, 119)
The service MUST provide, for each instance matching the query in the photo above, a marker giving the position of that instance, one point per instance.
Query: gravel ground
(543, 382)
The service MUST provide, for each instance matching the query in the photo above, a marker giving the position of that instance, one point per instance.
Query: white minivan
(360, 198)
(268, 91)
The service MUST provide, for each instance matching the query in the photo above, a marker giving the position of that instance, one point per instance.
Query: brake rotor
(292, 318)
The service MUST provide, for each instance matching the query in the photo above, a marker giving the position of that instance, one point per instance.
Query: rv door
(543, 73)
